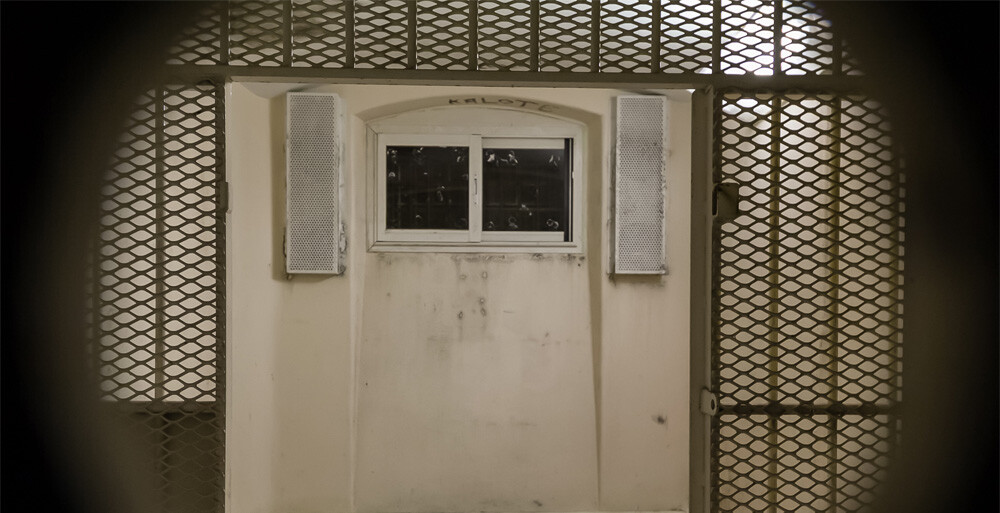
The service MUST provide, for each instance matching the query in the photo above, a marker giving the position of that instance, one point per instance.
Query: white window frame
(475, 239)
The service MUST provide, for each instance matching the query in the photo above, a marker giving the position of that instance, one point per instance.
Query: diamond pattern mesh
(762, 37)
(160, 276)
(747, 37)
(443, 34)
(257, 33)
(319, 33)
(626, 36)
(806, 355)
(686, 36)
(565, 35)
(505, 36)
(201, 42)
(381, 34)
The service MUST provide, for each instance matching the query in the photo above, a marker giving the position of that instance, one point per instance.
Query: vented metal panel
(807, 303)
(313, 230)
(678, 37)
(159, 304)
(640, 162)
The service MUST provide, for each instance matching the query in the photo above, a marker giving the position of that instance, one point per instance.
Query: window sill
(563, 248)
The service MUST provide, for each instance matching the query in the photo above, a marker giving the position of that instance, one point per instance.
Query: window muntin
(495, 189)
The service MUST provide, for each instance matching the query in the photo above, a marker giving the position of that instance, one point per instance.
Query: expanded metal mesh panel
(806, 355)
(565, 35)
(382, 34)
(258, 35)
(313, 224)
(201, 42)
(640, 158)
(443, 34)
(319, 33)
(159, 304)
(686, 36)
(807, 43)
(764, 37)
(747, 37)
(506, 29)
(626, 36)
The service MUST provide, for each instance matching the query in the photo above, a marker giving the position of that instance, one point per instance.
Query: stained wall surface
(432, 381)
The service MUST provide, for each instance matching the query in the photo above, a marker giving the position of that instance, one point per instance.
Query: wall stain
(660, 419)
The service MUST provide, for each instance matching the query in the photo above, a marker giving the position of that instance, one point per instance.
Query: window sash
(475, 233)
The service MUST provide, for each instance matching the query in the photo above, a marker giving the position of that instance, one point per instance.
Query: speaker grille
(639, 185)
(313, 222)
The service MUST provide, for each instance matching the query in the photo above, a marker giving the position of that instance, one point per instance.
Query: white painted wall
(556, 389)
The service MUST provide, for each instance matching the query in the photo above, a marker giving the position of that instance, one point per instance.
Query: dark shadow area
(70, 69)
(935, 66)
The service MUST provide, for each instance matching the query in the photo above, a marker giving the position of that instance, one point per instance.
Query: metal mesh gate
(160, 289)
(807, 302)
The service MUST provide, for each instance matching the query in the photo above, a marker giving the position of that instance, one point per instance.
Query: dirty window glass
(427, 187)
(526, 189)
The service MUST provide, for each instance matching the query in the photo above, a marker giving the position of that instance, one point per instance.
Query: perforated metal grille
(806, 355)
(639, 184)
(159, 302)
(313, 243)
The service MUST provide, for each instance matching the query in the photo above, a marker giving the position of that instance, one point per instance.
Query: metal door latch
(726, 201)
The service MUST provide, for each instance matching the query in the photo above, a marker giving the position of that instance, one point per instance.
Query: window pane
(427, 187)
(526, 190)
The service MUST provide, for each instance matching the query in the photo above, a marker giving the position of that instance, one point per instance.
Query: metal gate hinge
(223, 205)
(708, 404)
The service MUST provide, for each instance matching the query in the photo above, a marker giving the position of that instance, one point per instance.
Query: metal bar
(779, 10)
(778, 409)
(286, 32)
(595, 36)
(701, 296)
(349, 34)
(836, 288)
(838, 58)
(717, 38)
(830, 83)
(160, 407)
(411, 34)
(654, 44)
(535, 28)
(473, 35)
(774, 307)
(224, 33)
(159, 245)
(220, 287)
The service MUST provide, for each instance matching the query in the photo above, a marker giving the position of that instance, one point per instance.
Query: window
(490, 187)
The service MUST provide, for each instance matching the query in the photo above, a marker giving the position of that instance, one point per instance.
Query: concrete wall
(421, 382)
